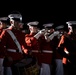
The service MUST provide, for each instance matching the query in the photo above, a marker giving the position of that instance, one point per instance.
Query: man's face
(2, 25)
(16, 24)
(12, 22)
(33, 29)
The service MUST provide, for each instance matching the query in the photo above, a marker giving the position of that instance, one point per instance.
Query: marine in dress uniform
(14, 49)
(69, 42)
(47, 50)
(33, 43)
(58, 66)
(3, 25)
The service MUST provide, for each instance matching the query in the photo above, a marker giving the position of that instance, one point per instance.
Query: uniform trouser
(11, 70)
(59, 67)
(45, 69)
(7, 71)
(1, 66)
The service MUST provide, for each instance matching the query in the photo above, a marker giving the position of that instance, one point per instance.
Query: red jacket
(1, 46)
(56, 55)
(8, 43)
(46, 56)
(33, 44)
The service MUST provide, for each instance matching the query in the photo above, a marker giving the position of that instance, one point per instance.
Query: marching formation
(47, 51)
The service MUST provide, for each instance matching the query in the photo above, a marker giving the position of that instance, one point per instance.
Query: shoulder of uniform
(27, 35)
(4, 30)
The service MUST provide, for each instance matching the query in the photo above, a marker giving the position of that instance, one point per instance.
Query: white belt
(44, 51)
(35, 51)
(11, 50)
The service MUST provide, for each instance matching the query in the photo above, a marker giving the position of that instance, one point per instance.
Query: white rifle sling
(15, 40)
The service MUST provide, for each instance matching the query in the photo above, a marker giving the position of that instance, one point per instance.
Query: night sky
(44, 12)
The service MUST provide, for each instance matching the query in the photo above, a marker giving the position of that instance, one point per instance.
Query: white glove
(41, 32)
(56, 33)
(66, 51)
(53, 35)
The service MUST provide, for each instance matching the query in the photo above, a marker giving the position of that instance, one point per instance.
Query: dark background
(43, 11)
